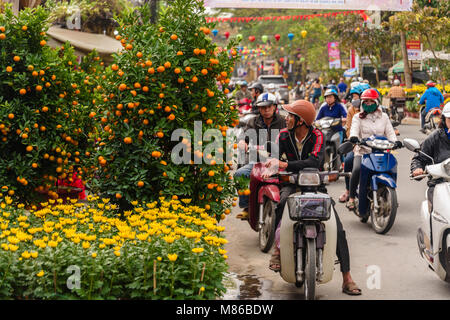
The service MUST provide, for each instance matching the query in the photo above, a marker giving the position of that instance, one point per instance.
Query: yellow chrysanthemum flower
(172, 257)
(198, 250)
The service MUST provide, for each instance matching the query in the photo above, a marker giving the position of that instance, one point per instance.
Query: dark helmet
(257, 86)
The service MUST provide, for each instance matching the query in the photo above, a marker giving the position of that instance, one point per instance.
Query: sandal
(350, 205)
(242, 215)
(351, 289)
(344, 197)
(275, 263)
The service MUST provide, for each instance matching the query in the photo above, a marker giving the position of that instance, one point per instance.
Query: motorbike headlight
(380, 144)
(311, 206)
(309, 179)
(325, 124)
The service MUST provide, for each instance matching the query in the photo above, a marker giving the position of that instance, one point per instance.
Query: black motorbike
(332, 141)
(397, 111)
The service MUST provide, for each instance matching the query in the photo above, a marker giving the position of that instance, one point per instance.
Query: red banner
(278, 18)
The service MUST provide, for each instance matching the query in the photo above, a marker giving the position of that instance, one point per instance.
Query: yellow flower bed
(164, 249)
(416, 89)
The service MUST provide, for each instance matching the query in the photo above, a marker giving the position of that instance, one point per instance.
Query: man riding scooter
(268, 121)
(301, 146)
(437, 146)
(256, 90)
(433, 98)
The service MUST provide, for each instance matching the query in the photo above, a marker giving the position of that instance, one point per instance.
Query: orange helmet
(302, 108)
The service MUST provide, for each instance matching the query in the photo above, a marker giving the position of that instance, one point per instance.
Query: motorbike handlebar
(419, 177)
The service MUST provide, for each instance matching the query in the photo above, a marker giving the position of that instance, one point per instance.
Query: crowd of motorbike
(308, 228)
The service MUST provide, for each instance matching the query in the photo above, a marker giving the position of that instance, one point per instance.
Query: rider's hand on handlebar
(242, 145)
(417, 172)
(398, 144)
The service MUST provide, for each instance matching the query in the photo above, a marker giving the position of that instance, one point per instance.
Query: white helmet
(446, 110)
(271, 87)
(396, 82)
(266, 99)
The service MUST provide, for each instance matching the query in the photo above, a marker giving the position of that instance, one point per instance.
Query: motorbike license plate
(400, 109)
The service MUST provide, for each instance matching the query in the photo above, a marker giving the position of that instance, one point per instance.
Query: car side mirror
(345, 148)
(411, 144)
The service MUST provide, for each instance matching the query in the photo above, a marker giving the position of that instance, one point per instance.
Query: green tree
(165, 80)
(431, 25)
(367, 41)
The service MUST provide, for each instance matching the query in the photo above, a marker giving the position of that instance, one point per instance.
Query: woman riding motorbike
(301, 146)
(370, 121)
(333, 108)
(437, 146)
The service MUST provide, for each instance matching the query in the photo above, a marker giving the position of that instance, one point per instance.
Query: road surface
(402, 272)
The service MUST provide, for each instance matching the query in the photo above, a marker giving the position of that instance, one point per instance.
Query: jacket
(437, 146)
(433, 97)
(376, 123)
(257, 123)
(351, 111)
(312, 153)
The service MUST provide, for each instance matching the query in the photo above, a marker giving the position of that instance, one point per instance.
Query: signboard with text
(382, 5)
(414, 49)
(334, 55)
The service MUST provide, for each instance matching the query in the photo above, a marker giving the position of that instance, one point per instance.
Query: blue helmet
(356, 90)
(330, 92)
(364, 86)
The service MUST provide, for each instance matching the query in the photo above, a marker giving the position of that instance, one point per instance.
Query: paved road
(404, 275)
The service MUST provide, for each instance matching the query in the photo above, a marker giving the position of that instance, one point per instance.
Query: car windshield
(277, 80)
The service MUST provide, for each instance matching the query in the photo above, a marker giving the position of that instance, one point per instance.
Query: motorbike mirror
(345, 148)
(411, 144)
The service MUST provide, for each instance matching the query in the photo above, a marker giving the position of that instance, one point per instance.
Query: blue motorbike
(377, 196)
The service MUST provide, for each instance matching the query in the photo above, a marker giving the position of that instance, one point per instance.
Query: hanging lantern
(251, 38)
(264, 38)
(277, 37)
(290, 36)
(281, 60)
(215, 32)
(227, 34)
(303, 33)
(239, 37)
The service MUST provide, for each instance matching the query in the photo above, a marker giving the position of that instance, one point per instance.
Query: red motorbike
(264, 197)
(245, 106)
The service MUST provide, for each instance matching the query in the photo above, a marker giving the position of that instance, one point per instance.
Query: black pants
(342, 251)
(354, 179)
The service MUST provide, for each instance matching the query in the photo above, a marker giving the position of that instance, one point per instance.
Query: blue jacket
(433, 97)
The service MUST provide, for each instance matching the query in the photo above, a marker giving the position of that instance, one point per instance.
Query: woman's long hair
(443, 124)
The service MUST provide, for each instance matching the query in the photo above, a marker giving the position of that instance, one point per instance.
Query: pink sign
(334, 55)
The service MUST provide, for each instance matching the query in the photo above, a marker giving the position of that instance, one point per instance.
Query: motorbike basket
(309, 206)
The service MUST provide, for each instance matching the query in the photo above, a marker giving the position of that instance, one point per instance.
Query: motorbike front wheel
(383, 221)
(310, 269)
(267, 230)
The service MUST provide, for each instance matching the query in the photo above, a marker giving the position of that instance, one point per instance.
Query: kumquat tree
(166, 79)
(44, 109)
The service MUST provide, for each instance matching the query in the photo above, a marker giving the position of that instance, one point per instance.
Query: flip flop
(351, 205)
(242, 215)
(275, 263)
(351, 289)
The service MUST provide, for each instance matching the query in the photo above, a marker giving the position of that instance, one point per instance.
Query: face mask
(370, 108)
(356, 103)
